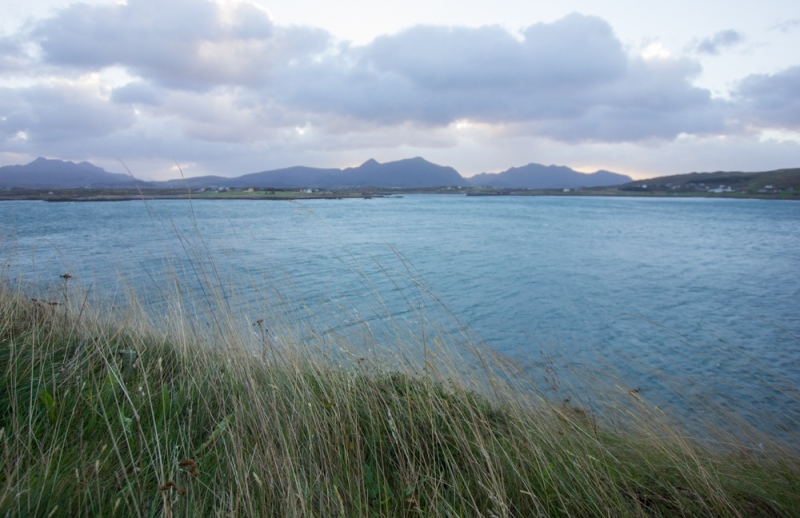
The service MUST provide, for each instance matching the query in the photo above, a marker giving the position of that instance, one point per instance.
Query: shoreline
(110, 195)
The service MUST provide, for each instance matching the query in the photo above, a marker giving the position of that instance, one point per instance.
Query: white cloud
(190, 44)
(570, 80)
(655, 51)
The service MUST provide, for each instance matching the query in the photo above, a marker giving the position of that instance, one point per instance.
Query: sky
(232, 87)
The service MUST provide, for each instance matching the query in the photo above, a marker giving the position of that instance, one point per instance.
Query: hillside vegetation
(123, 416)
(778, 180)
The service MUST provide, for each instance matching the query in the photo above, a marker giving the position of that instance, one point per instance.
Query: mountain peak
(370, 163)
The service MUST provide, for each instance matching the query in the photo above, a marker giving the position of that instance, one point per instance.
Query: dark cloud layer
(136, 92)
(229, 74)
(42, 114)
(771, 101)
(12, 55)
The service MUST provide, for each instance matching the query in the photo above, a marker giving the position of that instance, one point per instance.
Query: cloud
(570, 80)
(189, 44)
(787, 25)
(770, 100)
(12, 54)
(575, 48)
(62, 112)
(136, 92)
(714, 44)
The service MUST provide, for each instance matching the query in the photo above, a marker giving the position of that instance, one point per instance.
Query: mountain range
(58, 174)
(408, 173)
(537, 176)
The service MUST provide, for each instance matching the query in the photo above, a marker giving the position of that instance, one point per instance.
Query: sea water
(680, 289)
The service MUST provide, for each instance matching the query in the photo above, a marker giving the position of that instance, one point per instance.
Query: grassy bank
(123, 417)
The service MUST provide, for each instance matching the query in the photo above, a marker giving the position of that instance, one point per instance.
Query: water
(697, 289)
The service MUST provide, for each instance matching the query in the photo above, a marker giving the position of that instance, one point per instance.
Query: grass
(123, 417)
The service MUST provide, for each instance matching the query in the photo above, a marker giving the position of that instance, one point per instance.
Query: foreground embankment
(113, 417)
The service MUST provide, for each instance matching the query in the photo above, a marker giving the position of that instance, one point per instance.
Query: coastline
(112, 195)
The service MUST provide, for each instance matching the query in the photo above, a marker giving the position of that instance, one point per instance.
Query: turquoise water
(702, 289)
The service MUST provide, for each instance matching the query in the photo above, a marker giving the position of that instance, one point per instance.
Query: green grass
(104, 416)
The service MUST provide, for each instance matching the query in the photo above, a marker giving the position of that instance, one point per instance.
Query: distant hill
(537, 176)
(297, 176)
(409, 173)
(58, 174)
(779, 179)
